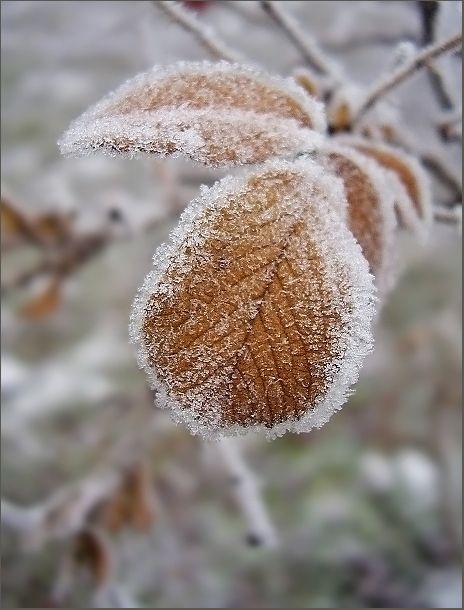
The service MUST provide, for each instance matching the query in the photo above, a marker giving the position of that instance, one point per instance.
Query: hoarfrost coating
(218, 114)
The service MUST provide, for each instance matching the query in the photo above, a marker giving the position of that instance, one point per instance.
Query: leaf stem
(200, 31)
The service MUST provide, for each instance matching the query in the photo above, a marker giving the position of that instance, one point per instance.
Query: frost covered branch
(450, 125)
(201, 32)
(61, 515)
(60, 265)
(451, 217)
(246, 490)
(436, 165)
(305, 44)
(63, 260)
(428, 12)
(405, 71)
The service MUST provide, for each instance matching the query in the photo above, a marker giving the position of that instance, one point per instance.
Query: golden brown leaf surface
(245, 330)
(219, 114)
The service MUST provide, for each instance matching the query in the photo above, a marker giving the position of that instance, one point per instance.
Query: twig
(450, 125)
(19, 519)
(366, 40)
(60, 263)
(442, 450)
(405, 71)
(428, 11)
(305, 44)
(245, 487)
(443, 174)
(451, 217)
(201, 32)
(61, 515)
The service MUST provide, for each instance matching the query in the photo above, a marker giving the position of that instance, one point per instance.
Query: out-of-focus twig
(246, 490)
(435, 165)
(201, 32)
(447, 129)
(451, 217)
(305, 44)
(366, 40)
(61, 515)
(428, 11)
(449, 126)
(59, 265)
(65, 258)
(392, 80)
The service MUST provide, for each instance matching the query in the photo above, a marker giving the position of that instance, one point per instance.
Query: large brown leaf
(257, 314)
(218, 114)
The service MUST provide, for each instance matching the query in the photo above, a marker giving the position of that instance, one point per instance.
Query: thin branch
(435, 165)
(374, 40)
(19, 519)
(451, 217)
(61, 515)
(60, 263)
(405, 71)
(450, 125)
(200, 31)
(303, 41)
(428, 11)
(245, 488)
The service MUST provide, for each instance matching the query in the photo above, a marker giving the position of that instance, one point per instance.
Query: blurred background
(107, 502)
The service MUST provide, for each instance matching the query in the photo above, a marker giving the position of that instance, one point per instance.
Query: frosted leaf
(218, 114)
(257, 314)
(370, 213)
(343, 106)
(412, 190)
(309, 81)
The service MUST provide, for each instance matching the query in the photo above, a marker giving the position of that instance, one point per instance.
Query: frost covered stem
(62, 514)
(405, 71)
(435, 164)
(19, 519)
(305, 44)
(451, 217)
(201, 32)
(246, 490)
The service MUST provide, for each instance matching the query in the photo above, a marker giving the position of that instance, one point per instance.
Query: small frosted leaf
(413, 194)
(257, 314)
(309, 82)
(370, 212)
(342, 107)
(218, 114)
